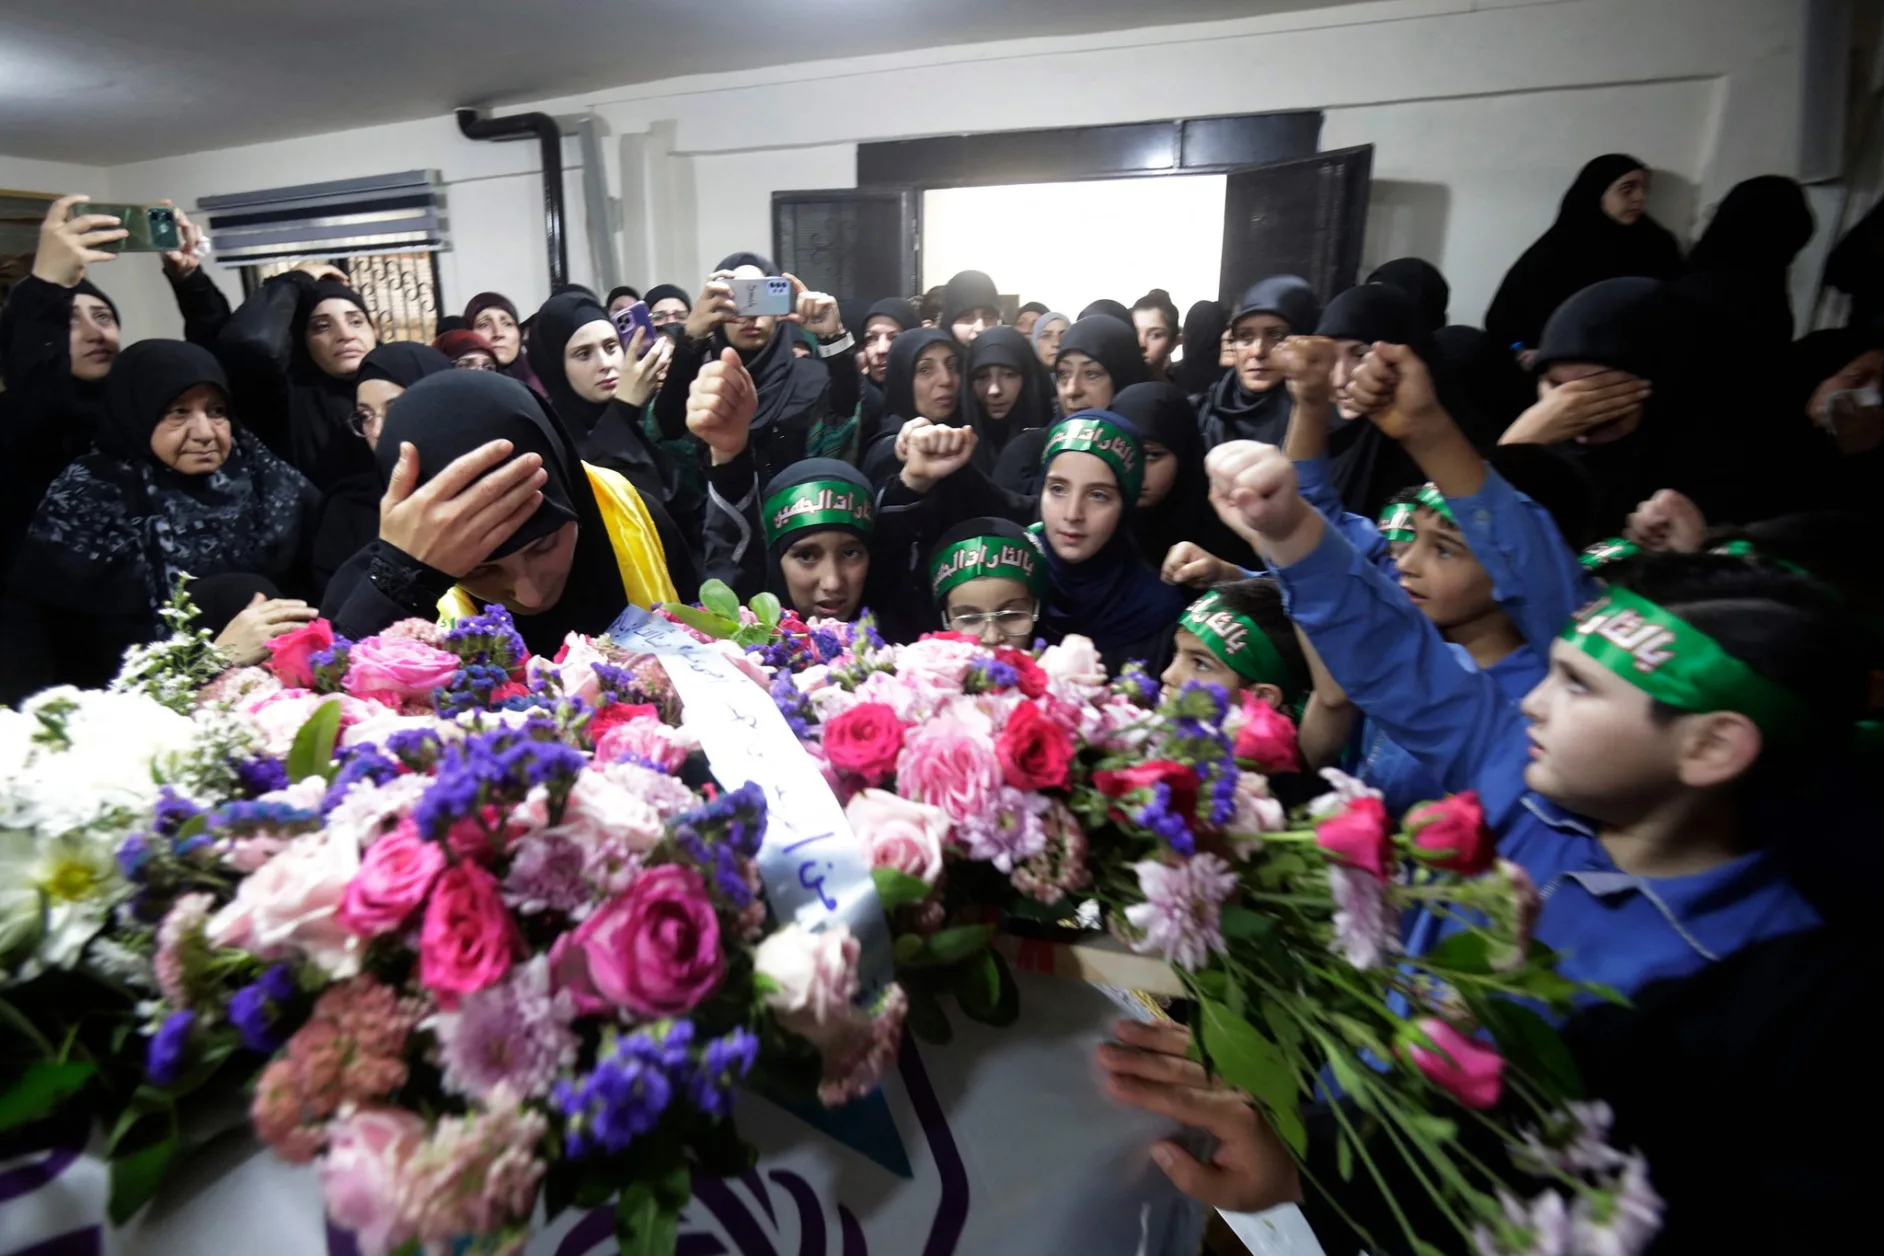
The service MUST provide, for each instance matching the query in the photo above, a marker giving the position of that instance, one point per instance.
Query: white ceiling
(100, 82)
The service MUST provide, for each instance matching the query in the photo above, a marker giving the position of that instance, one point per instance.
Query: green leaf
(647, 1216)
(1528, 1039)
(1344, 1158)
(1212, 983)
(906, 948)
(1353, 1080)
(1467, 952)
(1255, 1065)
(136, 1177)
(712, 625)
(926, 1018)
(313, 750)
(1240, 924)
(896, 888)
(41, 1089)
(719, 599)
(766, 607)
(986, 990)
(951, 945)
(1436, 1128)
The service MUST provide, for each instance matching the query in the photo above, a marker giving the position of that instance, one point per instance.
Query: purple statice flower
(1182, 908)
(825, 645)
(364, 762)
(865, 630)
(330, 666)
(497, 767)
(244, 815)
(173, 811)
(255, 1010)
(723, 1065)
(490, 638)
(1167, 825)
(794, 706)
(718, 834)
(987, 674)
(133, 854)
(1218, 779)
(470, 689)
(417, 748)
(1136, 684)
(167, 1047)
(618, 683)
(260, 775)
(628, 1091)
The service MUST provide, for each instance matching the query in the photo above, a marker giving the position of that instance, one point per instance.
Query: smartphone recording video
(762, 298)
(153, 228)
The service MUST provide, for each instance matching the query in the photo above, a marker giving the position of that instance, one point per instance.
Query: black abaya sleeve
(733, 546)
(846, 383)
(42, 422)
(1525, 301)
(256, 347)
(204, 308)
(670, 404)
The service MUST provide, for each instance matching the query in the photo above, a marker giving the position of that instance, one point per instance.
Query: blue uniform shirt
(1611, 927)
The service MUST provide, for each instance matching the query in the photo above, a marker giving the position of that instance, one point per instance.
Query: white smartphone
(760, 298)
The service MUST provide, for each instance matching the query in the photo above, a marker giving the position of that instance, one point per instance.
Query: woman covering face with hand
(1100, 586)
(487, 501)
(175, 486)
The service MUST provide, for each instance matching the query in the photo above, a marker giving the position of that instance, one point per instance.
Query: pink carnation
(423, 631)
(390, 670)
(181, 947)
(649, 739)
(949, 767)
(366, 1152)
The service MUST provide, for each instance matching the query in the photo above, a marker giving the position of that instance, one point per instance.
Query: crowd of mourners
(1606, 561)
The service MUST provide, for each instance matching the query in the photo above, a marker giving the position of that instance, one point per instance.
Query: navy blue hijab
(1115, 597)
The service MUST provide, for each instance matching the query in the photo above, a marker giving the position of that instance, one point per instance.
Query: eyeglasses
(362, 422)
(1007, 622)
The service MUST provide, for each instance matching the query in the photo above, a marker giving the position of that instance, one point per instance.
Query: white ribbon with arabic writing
(815, 870)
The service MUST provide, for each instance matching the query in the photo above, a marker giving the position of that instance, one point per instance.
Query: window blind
(390, 213)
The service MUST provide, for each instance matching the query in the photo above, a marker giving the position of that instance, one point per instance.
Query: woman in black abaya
(1252, 401)
(1002, 396)
(1603, 231)
(1201, 368)
(1175, 503)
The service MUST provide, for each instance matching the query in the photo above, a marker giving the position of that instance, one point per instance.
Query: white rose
(814, 976)
(1076, 659)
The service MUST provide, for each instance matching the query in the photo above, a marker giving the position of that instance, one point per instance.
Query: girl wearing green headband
(815, 521)
(988, 576)
(1238, 636)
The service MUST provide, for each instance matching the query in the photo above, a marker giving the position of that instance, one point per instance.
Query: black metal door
(849, 242)
(1306, 217)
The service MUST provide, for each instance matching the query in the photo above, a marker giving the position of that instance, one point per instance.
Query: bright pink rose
(1357, 836)
(469, 940)
(899, 834)
(1451, 834)
(1267, 737)
(395, 875)
(645, 738)
(949, 767)
(1035, 752)
(379, 668)
(1469, 1071)
(291, 655)
(617, 713)
(655, 950)
(360, 1174)
(865, 740)
(1179, 778)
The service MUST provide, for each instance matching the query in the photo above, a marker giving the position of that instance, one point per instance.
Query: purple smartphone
(635, 316)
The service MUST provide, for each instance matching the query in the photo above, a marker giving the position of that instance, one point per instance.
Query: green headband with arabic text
(1396, 521)
(1676, 663)
(1238, 640)
(1091, 432)
(818, 504)
(988, 557)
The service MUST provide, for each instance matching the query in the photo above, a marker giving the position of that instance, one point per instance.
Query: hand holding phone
(767, 297)
(69, 243)
(628, 321)
(148, 228)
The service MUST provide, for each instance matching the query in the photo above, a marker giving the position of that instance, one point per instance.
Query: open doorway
(1069, 244)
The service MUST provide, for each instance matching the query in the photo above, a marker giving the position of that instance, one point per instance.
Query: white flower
(291, 906)
(369, 810)
(1622, 1221)
(1345, 789)
(1363, 920)
(813, 976)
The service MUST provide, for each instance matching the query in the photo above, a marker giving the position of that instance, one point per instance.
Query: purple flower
(363, 762)
(167, 1046)
(546, 874)
(330, 666)
(1179, 917)
(242, 816)
(1010, 831)
(133, 854)
(723, 1064)
(627, 1093)
(173, 811)
(1166, 824)
(417, 748)
(490, 638)
(516, 1033)
(497, 767)
(1364, 919)
(794, 706)
(261, 775)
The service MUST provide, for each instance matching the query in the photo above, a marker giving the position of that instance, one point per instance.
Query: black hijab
(899, 380)
(1002, 346)
(1231, 411)
(551, 328)
(788, 385)
(1421, 281)
(1116, 309)
(118, 526)
(1742, 259)
(896, 308)
(449, 414)
(1204, 325)
(1365, 465)
(322, 446)
(1115, 597)
(1583, 246)
(1163, 414)
(663, 291)
(968, 290)
(519, 368)
(402, 362)
(1111, 343)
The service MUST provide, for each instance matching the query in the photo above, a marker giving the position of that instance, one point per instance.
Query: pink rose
(360, 1174)
(468, 941)
(814, 975)
(281, 714)
(865, 740)
(1257, 811)
(1357, 836)
(1074, 659)
(937, 663)
(1267, 737)
(379, 668)
(291, 906)
(575, 667)
(655, 950)
(1035, 752)
(949, 767)
(291, 655)
(899, 834)
(1451, 834)
(646, 738)
(618, 713)
(1469, 1071)
(394, 878)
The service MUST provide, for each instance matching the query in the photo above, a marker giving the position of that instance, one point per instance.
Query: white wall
(1480, 110)
(24, 174)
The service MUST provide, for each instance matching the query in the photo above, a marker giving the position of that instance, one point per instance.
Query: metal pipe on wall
(549, 138)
